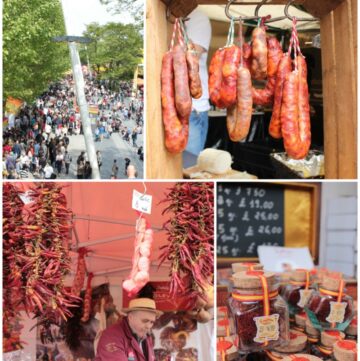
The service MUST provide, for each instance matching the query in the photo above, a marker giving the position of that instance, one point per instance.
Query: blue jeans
(199, 124)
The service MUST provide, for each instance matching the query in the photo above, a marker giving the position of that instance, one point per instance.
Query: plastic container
(261, 315)
(330, 306)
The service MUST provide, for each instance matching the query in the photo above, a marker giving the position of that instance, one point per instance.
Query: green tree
(134, 7)
(116, 49)
(31, 60)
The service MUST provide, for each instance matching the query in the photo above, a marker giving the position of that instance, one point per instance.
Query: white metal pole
(84, 111)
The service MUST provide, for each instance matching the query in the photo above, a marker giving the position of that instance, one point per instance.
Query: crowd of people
(36, 140)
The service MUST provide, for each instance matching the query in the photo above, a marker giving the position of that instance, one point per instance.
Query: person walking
(114, 170)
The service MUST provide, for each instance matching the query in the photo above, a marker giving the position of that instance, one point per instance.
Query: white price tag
(26, 197)
(141, 203)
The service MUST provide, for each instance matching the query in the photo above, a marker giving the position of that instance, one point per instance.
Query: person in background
(131, 171)
(114, 170)
(130, 339)
(198, 29)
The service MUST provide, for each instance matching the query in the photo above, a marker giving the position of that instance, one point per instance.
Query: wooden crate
(338, 27)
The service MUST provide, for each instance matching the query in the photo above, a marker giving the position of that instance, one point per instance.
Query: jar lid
(331, 283)
(310, 329)
(329, 337)
(345, 350)
(299, 275)
(246, 266)
(301, 357)
(297, 343)
(250, 279)
(227, 346)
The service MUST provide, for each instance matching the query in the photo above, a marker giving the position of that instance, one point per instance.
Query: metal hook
(272, 20)
(240, 17)
(292, 17)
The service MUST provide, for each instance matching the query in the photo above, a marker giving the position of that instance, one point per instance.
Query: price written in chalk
(248, 216)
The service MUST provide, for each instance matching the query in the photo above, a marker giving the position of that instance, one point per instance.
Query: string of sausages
(231, 71)
(180, 81)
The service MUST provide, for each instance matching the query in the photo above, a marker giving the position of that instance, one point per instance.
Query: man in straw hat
(130, 339)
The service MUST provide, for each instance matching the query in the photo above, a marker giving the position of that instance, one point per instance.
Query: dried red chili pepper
(190, 231)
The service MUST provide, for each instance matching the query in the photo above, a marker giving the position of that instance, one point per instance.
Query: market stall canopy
(217, 12)
(105, 224)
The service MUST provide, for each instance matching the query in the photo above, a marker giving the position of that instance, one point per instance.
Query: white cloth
(198, 29)
(48, 171)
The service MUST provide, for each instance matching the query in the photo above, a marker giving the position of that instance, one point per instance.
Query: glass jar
(261, 316)
(345, 350)
(330, 306)
(351, 330)
(297, 344)
(298, 291)
(313, 334)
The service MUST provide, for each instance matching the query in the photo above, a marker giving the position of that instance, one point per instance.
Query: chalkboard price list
(248, 216)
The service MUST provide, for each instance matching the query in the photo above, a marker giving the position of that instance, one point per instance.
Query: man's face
(141, 322)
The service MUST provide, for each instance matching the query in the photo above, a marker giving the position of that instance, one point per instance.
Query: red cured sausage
(259, 54)
(295, 118)
(304, 108)
(247, 56)
(215, 77)
(284, 68)
(266, 96)
(176, 128)
(181, 81)
(229, 75)
(239, 119)
(192, 60)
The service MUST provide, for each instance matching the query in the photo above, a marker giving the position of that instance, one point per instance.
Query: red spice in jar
(332, 292)
(298, 291)
(248, 307)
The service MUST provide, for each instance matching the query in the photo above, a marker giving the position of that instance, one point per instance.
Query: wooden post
(159, 162)
(338, 45)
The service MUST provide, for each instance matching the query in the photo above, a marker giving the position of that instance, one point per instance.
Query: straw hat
(142, 304)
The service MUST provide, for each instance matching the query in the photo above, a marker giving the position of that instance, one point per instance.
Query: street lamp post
(81, 99)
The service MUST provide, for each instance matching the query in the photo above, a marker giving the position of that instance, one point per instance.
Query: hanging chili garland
(190, 230)
(39, 259)
(12, 293)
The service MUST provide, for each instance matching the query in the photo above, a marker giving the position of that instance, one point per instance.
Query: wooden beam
(339, 90)
(331, 131)
(319, 9)
(159, 162)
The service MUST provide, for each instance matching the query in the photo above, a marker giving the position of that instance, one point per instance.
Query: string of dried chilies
(190, 230)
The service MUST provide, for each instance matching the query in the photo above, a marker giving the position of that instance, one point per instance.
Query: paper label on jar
(304, 297)
(337, 312)
(267, 328)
